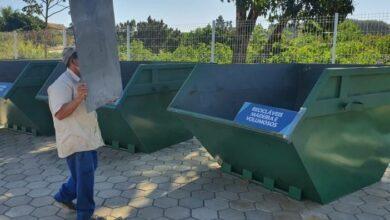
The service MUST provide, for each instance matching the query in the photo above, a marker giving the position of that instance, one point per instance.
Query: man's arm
(68, 108)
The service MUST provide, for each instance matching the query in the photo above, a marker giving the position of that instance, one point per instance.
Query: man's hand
(82, 92)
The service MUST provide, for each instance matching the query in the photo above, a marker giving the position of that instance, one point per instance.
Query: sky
(191, 13)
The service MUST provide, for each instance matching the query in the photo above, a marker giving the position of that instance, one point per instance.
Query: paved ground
(181, 182)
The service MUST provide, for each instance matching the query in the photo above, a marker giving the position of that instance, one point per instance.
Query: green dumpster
(339, 141)
(138, 121)
(19, 83)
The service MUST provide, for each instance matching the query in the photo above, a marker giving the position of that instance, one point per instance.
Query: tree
(286, 10)
(247, 13)
(44, 9)
(11, 20)
(156, 35)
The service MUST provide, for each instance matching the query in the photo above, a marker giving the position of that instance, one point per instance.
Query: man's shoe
(69, 205)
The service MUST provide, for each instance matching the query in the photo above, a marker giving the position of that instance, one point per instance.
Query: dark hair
(73, 57)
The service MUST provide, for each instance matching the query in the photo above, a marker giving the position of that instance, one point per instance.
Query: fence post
(16, 55)
(212, 59)
(128, 33)
(64, 38)
(334, 45)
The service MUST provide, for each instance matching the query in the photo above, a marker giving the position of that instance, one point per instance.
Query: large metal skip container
(138, 121)
(19, 110)
(340, 142)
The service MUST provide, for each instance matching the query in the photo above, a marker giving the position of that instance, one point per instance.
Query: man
(77, 136)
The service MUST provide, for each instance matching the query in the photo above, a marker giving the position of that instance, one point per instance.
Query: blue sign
(268, 118)
(4, 88)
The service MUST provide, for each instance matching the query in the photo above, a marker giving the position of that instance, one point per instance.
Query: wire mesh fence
(363, 39)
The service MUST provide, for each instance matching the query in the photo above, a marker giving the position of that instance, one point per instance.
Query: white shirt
(78, 132)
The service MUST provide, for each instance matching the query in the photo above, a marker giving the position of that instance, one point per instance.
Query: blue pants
(82, 166)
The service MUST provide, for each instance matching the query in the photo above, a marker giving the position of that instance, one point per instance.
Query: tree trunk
(275, 37)
(46, 27)
(244, 29)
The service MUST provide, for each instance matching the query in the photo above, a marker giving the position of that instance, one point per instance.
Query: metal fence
(334, 39)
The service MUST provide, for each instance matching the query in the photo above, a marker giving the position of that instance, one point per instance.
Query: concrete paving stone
(55, 186)
(347, 208)
(134, 193)
(18, 201)
(230, 214)
(260, 215)
(103, 211)
(45, 211)
(116, 202)
(204, 213)
(182, 179)
(26, 217)
(227, 195)
(242, 205)
(191, 203)
(12, 171)
(19, 211)
(202, 194)
(53, 217)
(55, 178)
(103, 186)
(146, 186)
(16, 184)
(177, 213)
(156, 193)
(377, 192)
(312, 215)
(37, 184)
(110, 173)
(292, 205)
(99, 178)
(236, 188)
(117, 179)
(150, 212)
(268, 206)
(372, 199)
(17, 192)
(179, 194)
(141, 202)
(124, 186)
(352, 199)
(138, 179)
(252, 196)
(124, 212)
(3, 209)
(341, 216)
(216, 204)
(34, 178)
(132, 173)
(42, 201)
(39, 192)
(151, 173)
(160, 179)
(108, 193)
(285, 215)
(214, 187)
(192, 187)
(170, 186)
(165, 202)
(367, 216)
(375, 208)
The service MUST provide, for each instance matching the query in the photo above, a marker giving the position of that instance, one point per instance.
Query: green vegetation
(11, 20)
(353, 46)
